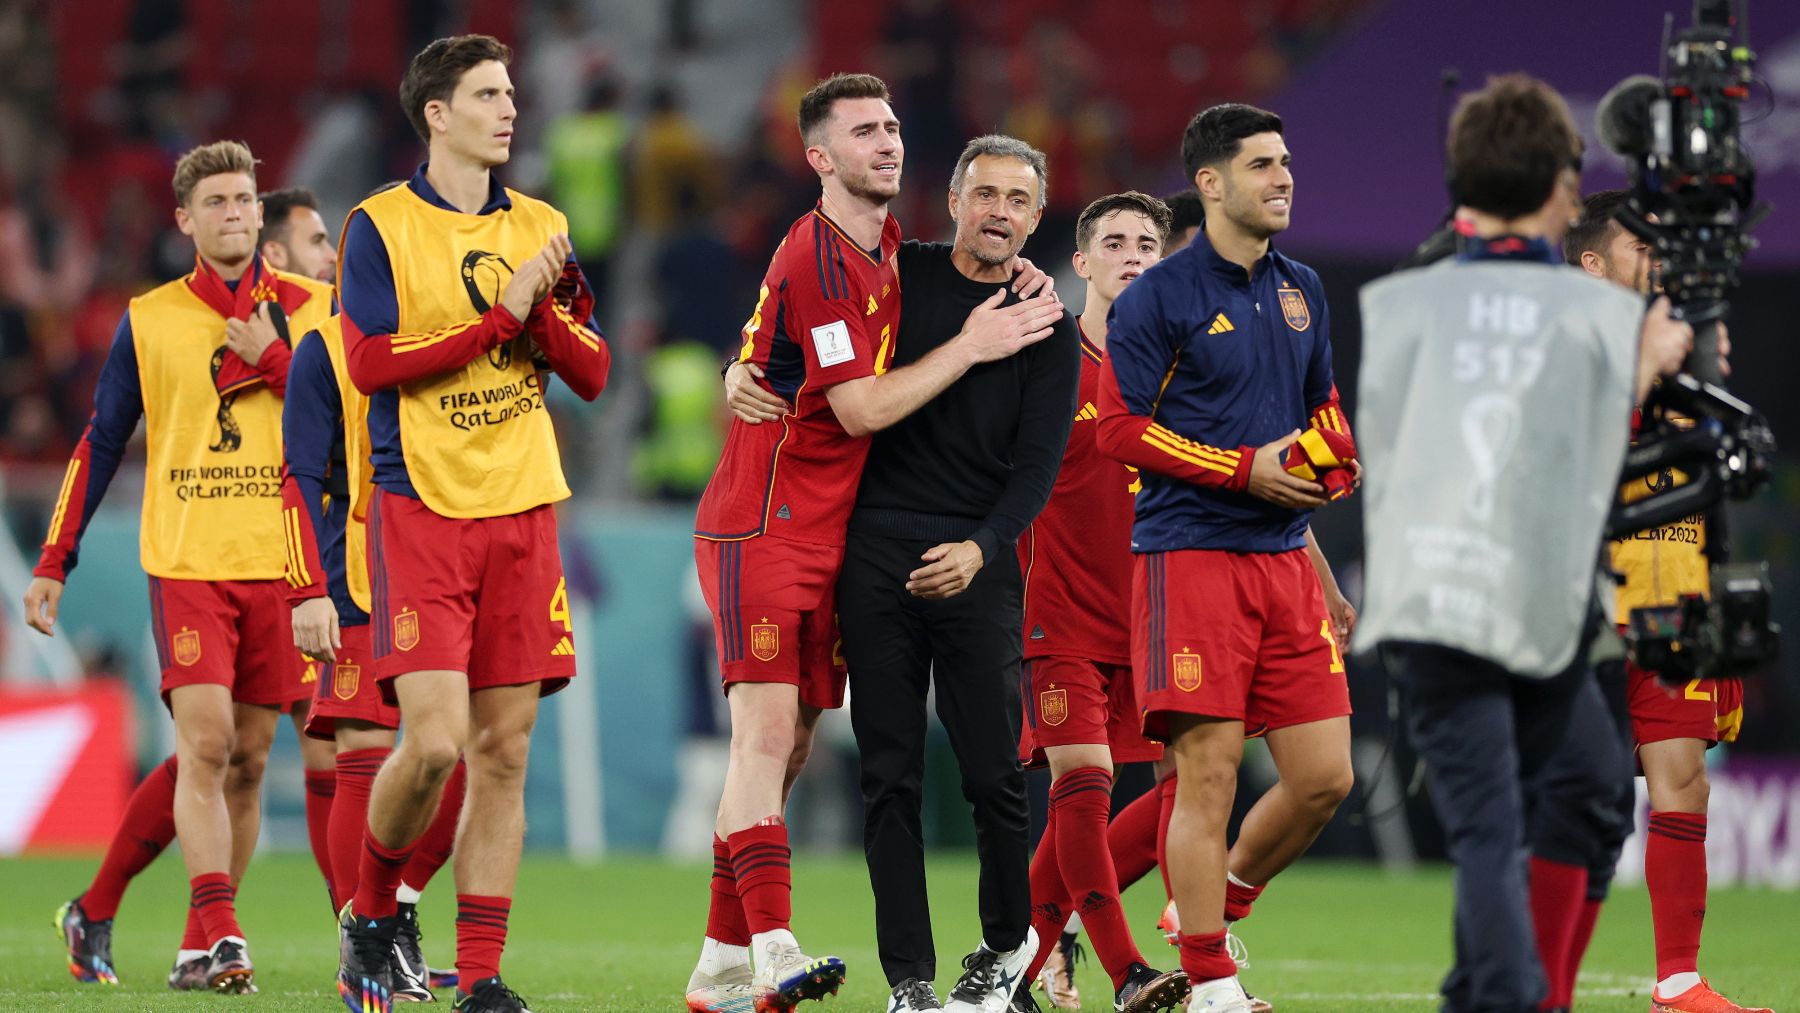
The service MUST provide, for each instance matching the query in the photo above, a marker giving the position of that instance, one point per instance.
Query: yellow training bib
(477, 440)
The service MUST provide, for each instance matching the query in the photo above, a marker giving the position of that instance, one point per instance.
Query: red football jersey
(829, 311)
(1077, 553)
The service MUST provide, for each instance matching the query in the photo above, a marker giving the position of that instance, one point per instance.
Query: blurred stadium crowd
(664, 129)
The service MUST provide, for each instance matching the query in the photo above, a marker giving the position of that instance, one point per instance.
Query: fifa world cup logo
(484, 277)
(1490, 429)
(230, 436)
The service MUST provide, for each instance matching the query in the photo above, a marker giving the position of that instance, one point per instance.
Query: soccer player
(293, 239)
(770, 530)
(460, 296)
(1672, 727)
(1080, 702)
(202, 361)
(293, 236)
(1187, 215)
(325, 502)
(1218, 362)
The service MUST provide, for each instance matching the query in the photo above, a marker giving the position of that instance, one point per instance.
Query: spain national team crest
(1053, 706)
(1187, 671)
(186, 645)
(344, 679)
(765, 641)
(1293, 307)
(406, 630)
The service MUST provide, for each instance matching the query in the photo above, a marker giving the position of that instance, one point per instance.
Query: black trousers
(971, 645)
(1580, 806)
(1485, 734)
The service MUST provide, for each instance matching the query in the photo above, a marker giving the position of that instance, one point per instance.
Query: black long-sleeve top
(978, 461)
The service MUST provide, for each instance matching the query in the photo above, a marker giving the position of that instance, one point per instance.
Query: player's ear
(1209, 181)
(819, 159)
(1593, 263)
(184, 221)
(437, 115)
(274, 254)
(1079, 260)
(954, 200)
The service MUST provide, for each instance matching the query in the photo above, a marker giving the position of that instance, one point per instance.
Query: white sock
(1675, 984)
(763, 942)
(1232, 981)
(716, 958)
(1073, 925)
(183, 956)
(406, 895)
(1230, 878)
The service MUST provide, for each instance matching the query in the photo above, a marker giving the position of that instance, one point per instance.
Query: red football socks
(760, 862)
(378, 877)
(480, 937)
(215, 901)
(146, 829)
(1578, 944)
(193, 936)
(1166, 789)
(356, 770)
(725, 915)
(1049, 896)
(1131, 837)
(439, 840)
(1083, 798)
(1239, 899)
(1675, 872)
(1205, 958)
(321, 786)
(1558, 891)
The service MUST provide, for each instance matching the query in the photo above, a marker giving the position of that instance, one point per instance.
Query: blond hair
(213, 159)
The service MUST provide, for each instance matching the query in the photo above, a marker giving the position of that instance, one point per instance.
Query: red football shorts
(1711, 710)
(1237, 635)
(1076, 702)
(233, 633)
(483, 596)
(774, 607)
(348, 690)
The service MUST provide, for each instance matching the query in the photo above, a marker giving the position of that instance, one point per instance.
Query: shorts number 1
(1337, 658)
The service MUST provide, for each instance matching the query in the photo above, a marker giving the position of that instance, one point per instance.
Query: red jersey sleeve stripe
(62, 502)
(1181, 454)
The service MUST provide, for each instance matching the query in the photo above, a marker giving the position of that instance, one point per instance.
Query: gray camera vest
(1493, 416)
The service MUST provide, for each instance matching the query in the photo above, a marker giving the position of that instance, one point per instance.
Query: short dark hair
(1002, 146)
(1186, 210)
(1594, 229)
(1508, 144)
(815, 105)
(1131, 200)
(1216, 135)
(278, 206)
(439, 67)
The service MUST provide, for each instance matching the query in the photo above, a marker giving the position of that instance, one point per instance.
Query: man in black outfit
(931, 585)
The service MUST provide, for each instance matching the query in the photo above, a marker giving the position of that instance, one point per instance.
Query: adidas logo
(1220, 325)
(784, 514)
(1087, 412)
(1037, 633)
(872, 307)
(564, 648)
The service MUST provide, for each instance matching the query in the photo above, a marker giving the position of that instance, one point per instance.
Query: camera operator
(1497, 390)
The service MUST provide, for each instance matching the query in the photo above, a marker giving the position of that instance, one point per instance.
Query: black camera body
(1726, 636)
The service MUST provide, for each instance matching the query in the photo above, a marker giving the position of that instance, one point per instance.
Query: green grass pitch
(623, 936)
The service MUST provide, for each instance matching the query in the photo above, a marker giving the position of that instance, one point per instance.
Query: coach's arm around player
(871, 404)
